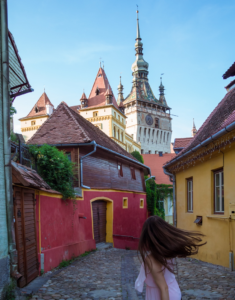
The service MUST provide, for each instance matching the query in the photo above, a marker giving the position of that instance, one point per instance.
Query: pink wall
(64, 234)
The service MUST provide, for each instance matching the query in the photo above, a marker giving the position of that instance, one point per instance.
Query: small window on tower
(156, 123)
(97, 91)
(95, 114)
(99, 75)
(36, 109)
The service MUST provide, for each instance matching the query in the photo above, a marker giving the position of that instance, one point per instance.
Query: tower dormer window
(36, 109)
(99, 75)
(97, 91)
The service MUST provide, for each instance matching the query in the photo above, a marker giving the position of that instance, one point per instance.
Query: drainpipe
(151, 177)
(6, 138)
(172, 179)
(81, 161)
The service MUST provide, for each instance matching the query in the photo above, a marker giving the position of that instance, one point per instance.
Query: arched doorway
(99, 221)
(102, 219)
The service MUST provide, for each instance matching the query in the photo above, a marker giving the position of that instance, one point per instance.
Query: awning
(19, 83)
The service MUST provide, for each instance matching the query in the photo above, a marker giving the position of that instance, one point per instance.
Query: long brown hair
(164, 242)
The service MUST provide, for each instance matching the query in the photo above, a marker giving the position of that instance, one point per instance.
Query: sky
(62, 42)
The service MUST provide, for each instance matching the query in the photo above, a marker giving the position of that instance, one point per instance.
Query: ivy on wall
(55, 168)
(138, 156)
(156, 194)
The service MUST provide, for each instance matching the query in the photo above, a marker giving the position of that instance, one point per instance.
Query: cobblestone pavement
(111, 274)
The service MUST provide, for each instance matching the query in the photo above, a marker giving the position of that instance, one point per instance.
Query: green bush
(138, 156)
(55, 168)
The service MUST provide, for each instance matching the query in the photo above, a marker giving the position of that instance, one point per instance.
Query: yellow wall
(28, 129)
(219, 230)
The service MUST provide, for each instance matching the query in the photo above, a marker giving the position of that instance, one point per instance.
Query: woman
(160, 243)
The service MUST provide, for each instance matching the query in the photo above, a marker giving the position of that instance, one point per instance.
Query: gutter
(81, 161)
(101, 147)
(215, 136)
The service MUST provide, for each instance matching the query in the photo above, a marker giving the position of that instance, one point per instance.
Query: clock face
(149, 120)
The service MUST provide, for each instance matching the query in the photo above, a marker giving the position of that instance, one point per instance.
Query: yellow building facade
(203, 174)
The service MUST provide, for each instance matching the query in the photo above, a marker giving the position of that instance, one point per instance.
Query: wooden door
(25, 227)
(99, 221)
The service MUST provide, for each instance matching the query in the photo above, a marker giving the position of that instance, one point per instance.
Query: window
(115, 114)
(169, 206)
(120, 173)
(122, 137)
(118, 137)
(160, 153)
(68, 155)
(156, 152)
(33, 122)
(95, 114)
(125, 202)
(219, 191)
(141, 203)
(118, 118)
(122, 120)
(133, 173)
(142, 151)
(156, 123)
(149, 151)
(36, 109)
(114, 132)
(190, 194)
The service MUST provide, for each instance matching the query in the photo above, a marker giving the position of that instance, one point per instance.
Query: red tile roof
(156, 162)
(76, 108)
(230, 72)
(65, 126)
(221, 116)
(102, 83)
(83, 96)
(28, 176)
(41, 106)
(182, 142)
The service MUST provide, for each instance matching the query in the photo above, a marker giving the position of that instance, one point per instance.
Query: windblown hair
(165, 242)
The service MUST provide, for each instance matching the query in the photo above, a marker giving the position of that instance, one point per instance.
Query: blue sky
(61, 43)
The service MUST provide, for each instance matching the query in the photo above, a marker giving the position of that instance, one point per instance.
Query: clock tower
(148, 118)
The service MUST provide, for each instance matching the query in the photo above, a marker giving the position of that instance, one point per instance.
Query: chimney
(49, 109)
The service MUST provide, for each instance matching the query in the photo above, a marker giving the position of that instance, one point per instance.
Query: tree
(55, 168)
(138, 156)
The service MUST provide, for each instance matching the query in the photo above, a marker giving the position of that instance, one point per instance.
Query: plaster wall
(62, 233)
(218, 229)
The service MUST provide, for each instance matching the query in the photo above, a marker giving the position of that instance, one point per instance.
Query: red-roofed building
(109, 184)
(203, 175)
(156, 162)
(40, 112)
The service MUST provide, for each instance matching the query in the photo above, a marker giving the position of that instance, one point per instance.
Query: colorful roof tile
(220, 117)
(102, 83)
(65, 126)
(181, 143)
(39, 108)
(156, 162)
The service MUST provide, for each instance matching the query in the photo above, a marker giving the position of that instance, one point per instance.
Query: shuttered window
(120, 172)
(190, 194)
(219, 191)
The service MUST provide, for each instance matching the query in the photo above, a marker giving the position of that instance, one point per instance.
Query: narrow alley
(111, 274)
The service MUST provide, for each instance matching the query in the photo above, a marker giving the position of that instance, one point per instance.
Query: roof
(76, 108)
(41, 106)
(221, 116)
(182, 142)
(101, 81)
(156, 162)
(28, 176)
(230, 72)
(65, 126)
(19, 83)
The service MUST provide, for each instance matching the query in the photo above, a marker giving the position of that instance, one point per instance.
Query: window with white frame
(190, 194)
(169, 206)
(219, 191)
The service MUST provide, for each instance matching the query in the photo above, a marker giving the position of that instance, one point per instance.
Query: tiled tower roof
(39, 108)
(102, 85)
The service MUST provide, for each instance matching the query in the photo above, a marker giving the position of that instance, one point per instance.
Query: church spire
(162, 98)
(120, 93)
(194, 129)
(140, 66)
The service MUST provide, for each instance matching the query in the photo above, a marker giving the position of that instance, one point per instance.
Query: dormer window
(100, 75)
(36, 109)
(97, 91)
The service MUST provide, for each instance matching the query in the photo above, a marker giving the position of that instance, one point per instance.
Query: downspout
(172, 179)
(6, 139)
(81, 161)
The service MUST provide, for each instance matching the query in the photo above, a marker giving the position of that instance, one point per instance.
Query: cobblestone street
(111, 274)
